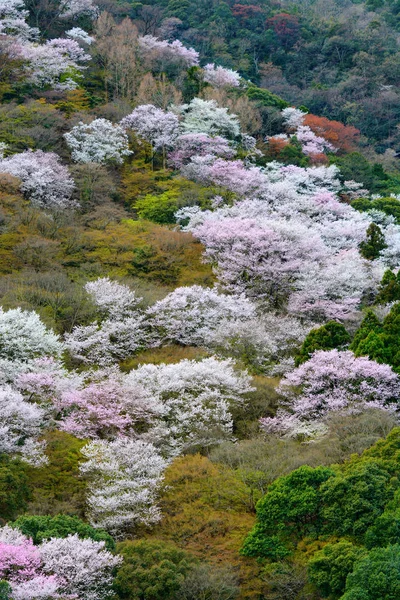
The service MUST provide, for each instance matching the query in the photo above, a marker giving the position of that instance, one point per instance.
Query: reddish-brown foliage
(343, 137)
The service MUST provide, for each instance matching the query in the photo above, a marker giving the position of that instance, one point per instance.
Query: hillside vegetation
(199, 300)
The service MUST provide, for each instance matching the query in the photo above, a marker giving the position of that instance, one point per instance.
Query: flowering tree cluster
(219, 77)
(195, 397)
(98, 142)
(58, 63)
(60, 567)
(191, 145)
(205, 116)
(13, 15)
(156, 126)
(331, 381)
(44, 180)
(124, 477)
(164, 52)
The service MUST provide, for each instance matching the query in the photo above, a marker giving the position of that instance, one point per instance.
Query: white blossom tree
(124, 479)
(98, 142)
(205, 116)
(219, 77)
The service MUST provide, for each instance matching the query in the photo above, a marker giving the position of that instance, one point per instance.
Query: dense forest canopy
(199, 300)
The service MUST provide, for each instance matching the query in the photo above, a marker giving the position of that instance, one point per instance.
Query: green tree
(159, 209)
(290, 510)
(14, 487)
(374, 243)
(43, 527)
(376, 576)
(152, 570)
(327, 337)
(389, 288)
(328, 568)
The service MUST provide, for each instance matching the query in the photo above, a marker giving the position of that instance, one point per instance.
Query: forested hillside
(199, 300)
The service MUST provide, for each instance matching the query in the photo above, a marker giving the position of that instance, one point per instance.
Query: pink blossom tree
(158, 127)
(162, 52)
(188, 145)
(44, 180)
(219, 77)
(331, 381)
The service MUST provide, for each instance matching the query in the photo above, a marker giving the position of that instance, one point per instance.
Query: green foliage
(152, 569)
(379, 341)
(354, 498)
(374, 243)
(58, 487)
(265, 97)
(327, 337)
(289, 510)
(389, 206)
(159, 209)
(14, 487)
(5, 590)
(389, 289)
(44, 527)
(376, 576)
(328, 568)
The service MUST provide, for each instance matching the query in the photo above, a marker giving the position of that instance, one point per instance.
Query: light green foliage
(14, 487)
(152, 569)
(159, 209)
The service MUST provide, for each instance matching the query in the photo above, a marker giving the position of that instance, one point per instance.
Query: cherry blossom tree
(205, 116)
(21, 424)
(23, 336)
(98, 142)
(58, 63)
(106, 409)
(113, 299)
(13, 15)
(293, 118)
(331, 381)
(71, 9)
(83, 566)
(311, 143)
(80, 35)
(189, 145)
(156, 126)
(58, 568)
(191, 315)
(124, 478)
(219, 77)
(44, 180)
(196, 397)
(167, 52)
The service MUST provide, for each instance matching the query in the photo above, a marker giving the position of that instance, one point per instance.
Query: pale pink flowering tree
(312, 143)
(13, 15)
(219, 77)
(188, 145)
(48, 62)
(191, 315)
(158, 127)
(165, 52)
(98, 142)
(329, 382)
(124, 478)
(44, 180)
(261, 260)
(106, 409)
